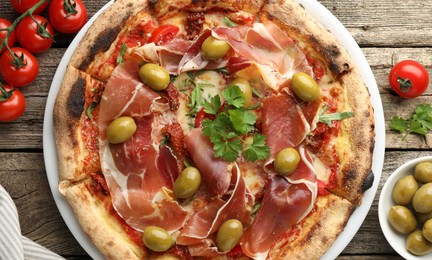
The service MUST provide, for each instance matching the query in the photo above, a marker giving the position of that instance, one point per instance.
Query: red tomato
(409, 79)
(12, 103)
(31, 37)
(12, 39)
(67, 16)
(163, 33)
(21, 6)
(19, 76)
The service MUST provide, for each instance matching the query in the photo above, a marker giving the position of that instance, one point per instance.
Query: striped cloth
(14, 246)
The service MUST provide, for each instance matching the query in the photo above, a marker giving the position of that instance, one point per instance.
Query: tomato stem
(5, 95)
(4, 42)
(404, 84)
(70, 8)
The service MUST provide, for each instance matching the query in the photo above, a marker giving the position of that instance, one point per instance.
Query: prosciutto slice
(286, 202)
(283, 124)
(132, 171)
(214, 171)
(268, 47)
(207, 221)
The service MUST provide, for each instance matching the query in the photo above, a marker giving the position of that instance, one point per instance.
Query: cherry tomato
(21, 6)
(4, 23)
(163, 34)
(32, 37)
(409, 79)
(19, 76)
(67, 16)
(12, 103)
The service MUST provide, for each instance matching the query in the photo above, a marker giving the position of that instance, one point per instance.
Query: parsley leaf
(122, 51)
(420, 121)
(213, 106)
(242, 120)
(258, 150)
(328, 118)
(234, 96)
(227, 150)
(398, 124)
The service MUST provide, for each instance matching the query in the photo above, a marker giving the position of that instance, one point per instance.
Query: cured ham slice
(286, 202)
(283, 124)
(267, 46)
(207, 221)
(193, 59)
(215, 173)
(132, 169)
(168, 55)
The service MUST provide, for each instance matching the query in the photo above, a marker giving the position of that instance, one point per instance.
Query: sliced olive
(404, 190)
(422, 200)
(229, 234)
(305, 87)
(417, 244)
(187, 183)
(246, 89)
(213, 49)
(154, 76)
(423, 172)
(286, 161)
(427, 230)
(402, 219)
(157, 239)
(121, 129)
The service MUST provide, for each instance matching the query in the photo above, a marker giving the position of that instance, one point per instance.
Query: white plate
(329, 21)
(395, 239)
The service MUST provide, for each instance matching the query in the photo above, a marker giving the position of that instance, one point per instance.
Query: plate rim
(329, 21)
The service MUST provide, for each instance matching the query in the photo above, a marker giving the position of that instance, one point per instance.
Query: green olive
(402, 219)
(417, 244)
(422, 200)
(187, 183)
(423, 217)
(157, 239)
(229, 234)
(213, 49)
(305, 87)
(423, 172)
(404, 190)
(427, 230)
(121, 129)
(154, 76)
(286, 161)
(246, 89)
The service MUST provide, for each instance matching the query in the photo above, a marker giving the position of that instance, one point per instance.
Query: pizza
(212, 129)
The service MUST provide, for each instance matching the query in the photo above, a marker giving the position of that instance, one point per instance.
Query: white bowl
(395, 239)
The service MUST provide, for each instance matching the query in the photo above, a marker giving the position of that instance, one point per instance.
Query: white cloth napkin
(14, 246)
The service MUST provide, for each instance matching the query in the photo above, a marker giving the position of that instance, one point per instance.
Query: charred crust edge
(75, 103)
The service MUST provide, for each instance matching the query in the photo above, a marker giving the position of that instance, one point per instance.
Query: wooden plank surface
(387, 31)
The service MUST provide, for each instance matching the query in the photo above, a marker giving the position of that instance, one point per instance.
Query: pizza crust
(318, 230)
(103, 229)
(68, 109)
(103, 32)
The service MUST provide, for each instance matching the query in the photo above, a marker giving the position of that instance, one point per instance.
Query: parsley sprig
(226, 131)
(420, 122)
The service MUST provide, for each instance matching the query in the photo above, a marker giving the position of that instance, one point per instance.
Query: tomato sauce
(317, 68)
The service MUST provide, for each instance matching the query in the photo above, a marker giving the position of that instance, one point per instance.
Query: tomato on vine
(21, 6)
(12, 103)
(35, 35)
(409, 79)
(67, 16)
(19, 69)
(4, 23)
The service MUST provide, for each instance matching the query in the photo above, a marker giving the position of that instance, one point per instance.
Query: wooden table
(387, 31)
